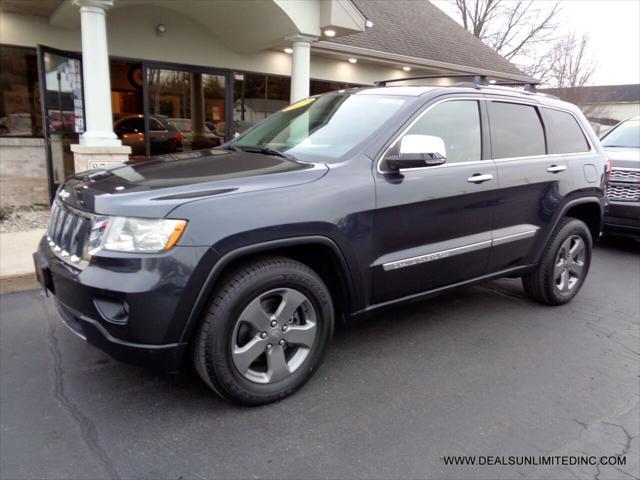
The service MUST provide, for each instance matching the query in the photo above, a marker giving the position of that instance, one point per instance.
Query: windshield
(627, 134)
(327, 126)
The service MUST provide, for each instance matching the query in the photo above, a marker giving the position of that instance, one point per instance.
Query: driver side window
(457, 123)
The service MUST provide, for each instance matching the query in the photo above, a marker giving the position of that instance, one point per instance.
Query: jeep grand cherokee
(244, 257)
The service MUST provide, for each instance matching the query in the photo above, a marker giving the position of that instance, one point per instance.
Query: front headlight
(125, 234)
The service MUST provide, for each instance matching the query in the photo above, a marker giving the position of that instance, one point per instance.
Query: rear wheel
(265, 332)
(564, 264)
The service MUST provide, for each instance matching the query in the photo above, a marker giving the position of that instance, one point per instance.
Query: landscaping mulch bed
(20, 219)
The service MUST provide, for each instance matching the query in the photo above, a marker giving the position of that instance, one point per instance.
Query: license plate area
(43, 274)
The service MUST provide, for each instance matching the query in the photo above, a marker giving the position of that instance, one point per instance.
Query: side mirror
(417, 151)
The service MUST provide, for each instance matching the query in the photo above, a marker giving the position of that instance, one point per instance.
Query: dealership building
(89, 82)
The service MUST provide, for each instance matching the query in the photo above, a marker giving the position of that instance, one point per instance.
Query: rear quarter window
(516, 130)
(564, 134)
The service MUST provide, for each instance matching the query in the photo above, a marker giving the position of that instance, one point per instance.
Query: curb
(18, 283)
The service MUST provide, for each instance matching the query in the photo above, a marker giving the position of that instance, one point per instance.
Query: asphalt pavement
(479, 372)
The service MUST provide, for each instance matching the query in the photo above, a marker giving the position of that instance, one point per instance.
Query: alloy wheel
(570, 263)
(273, 335)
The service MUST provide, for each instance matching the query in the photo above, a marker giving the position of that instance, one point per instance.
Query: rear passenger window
(564, 135)
(457, 123)
(516, 130)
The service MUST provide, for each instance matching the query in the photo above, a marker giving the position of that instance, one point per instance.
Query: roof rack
(477, 82)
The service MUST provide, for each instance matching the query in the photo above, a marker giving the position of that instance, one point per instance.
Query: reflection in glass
(323, 127)
(190, 106)
(64, 110)
(20, 112)
(257, 96)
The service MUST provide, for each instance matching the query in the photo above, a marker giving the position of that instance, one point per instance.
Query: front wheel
(265, 332)
(564, 264)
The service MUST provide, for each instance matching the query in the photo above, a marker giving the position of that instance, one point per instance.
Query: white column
(95, 73)
(300, 66)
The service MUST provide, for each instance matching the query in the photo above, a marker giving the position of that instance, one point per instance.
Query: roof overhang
(247, 25)
(397, 60)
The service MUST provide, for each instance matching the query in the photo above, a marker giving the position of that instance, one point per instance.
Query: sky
(614, 33)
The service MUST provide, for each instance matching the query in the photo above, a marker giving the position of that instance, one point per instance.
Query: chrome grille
(625, 175)
(623, 193)
(68, 232)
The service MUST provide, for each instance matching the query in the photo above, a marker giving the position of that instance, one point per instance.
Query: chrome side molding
(430, 257)
(408, 262)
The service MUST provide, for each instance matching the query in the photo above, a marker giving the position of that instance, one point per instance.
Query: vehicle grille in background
(623, 193)
(631, 176)
(68, 232)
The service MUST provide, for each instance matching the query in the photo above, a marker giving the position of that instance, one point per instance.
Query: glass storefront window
(20, 111)
(256, 96)
(126, 89)
(64, 108)
(186, 112)
(317, 87)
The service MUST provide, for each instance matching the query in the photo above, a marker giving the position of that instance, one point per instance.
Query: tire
(249, 347)
(561, 273)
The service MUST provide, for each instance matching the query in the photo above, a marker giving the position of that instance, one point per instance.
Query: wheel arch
(589, 210)
(318, 252)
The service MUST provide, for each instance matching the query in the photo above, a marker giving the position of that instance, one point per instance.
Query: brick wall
(23, 171)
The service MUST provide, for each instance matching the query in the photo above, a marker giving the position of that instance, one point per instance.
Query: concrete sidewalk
(16, 263)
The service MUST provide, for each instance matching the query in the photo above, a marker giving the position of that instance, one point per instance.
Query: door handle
(556, 168)
(477, 178)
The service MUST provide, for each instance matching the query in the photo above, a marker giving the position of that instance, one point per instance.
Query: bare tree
(570, 67)
(525, 33)
(570, 64)
(513, 28)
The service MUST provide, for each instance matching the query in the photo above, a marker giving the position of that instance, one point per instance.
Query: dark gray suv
(244, 257)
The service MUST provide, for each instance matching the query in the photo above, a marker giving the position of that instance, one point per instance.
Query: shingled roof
(599, 94)
(419, 29)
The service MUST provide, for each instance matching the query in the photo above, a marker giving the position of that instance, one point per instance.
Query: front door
(433, 224)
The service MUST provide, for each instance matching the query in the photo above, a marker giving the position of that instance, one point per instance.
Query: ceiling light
(161, 29)
(406, 69)
(288, 50)
(368, 24)
(353, 60)
(330, 33)
(492, 82)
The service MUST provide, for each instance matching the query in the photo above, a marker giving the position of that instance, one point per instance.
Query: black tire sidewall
(218, 359)
(572, 227)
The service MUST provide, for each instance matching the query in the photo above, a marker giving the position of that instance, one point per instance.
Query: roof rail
(477, 82)
(528, 86)
(477, 79)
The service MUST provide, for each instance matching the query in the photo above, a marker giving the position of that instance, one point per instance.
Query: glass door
(187, 110)
(62, 110)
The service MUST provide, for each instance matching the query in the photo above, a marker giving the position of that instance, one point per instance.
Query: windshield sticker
(300, 104)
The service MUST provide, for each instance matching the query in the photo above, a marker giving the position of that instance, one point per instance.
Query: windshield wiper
(263, 150)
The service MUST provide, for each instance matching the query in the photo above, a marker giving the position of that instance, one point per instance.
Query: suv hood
(155, 187)
(622, 157)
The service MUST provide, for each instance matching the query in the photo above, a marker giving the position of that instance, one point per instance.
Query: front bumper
(133, 308)
(165, 358)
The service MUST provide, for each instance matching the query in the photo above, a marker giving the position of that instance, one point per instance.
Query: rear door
(433, 224)
(531, 183)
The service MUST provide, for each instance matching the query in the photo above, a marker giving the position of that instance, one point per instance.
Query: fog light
(112, 310)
